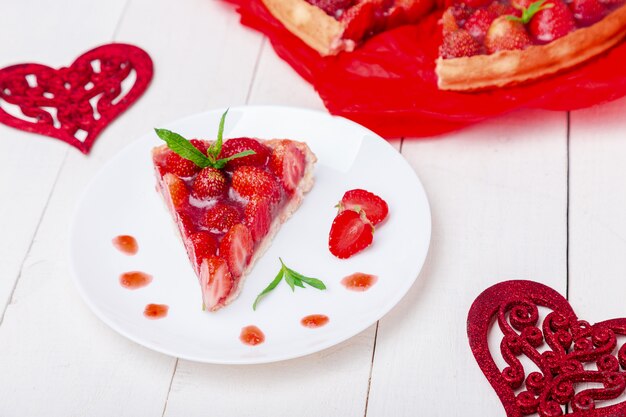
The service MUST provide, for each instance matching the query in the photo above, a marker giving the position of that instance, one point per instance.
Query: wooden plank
(30, 163)
(332, 382)
(498, 200)
(62, 359)
(597, 265)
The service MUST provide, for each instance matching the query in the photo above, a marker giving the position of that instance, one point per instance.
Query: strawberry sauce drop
(251, 335)
(156, 311)
(135, 279)
(314, 321)
(126, 244)
(359, 281)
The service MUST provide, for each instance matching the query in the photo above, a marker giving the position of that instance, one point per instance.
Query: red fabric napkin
(389, 83)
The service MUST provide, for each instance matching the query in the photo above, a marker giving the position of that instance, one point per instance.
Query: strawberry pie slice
(229, 199)
(490, 43)
(332, 26)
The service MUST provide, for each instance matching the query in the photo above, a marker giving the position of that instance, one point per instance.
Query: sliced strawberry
(258, 217)
(350, 233)
(185, 224)
(180, 166)
(177, 189)
(253, 181)
(237, 145)
(236, 248)
(553, 21)
(374, 207)
(478, 23)
(588, 12)
(288, 162)
(221, 217)
(216, 282)
(204, 245)
(505, 34)
(459, 44)
(209, 183)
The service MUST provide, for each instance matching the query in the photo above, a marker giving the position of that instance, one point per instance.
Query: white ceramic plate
(122, 200)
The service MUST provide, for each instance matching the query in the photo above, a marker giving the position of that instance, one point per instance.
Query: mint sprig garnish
(530, 11)
(185, 149)
(292, 278)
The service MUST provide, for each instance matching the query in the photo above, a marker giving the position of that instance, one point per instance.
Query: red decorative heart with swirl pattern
(74, 104)
(569, 354)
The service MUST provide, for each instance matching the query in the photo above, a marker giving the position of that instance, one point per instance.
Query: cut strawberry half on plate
(374, 207)
(231, 207)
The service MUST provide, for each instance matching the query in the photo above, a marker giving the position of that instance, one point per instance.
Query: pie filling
(484, 27)
(227, 218)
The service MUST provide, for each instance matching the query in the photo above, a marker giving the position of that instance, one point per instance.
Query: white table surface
(535, 195)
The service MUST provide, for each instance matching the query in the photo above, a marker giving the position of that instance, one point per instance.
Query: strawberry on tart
(229, 200)
(332, 26)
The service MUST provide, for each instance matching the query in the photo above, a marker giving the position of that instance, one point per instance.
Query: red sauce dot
(314, 320)
(359, 281)
(251, 335)
(156, 311)
(126, 244)
(135, 279)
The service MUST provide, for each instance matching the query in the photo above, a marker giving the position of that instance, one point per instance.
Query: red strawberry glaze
(314, 321)
(155, 311)
(252, 336)
(359, 281)
(135, 279)
(126, 244)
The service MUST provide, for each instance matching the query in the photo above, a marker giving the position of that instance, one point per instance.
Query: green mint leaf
(183, 147)
(313, 282)
(216, 147)
(221, 163)
(529, 12)
(292, 278)
(289, 280)
(269, 288)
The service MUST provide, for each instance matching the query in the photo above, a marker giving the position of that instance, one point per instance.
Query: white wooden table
(536, 195)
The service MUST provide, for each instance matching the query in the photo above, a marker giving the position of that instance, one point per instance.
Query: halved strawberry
(374, 207)
(209, 183)
(237, 145)
(251, 181)
(204, 245)
(350, 233)
(553, 21)
(180, 166)
(177, 189)
(221, 217)
(588, 12)
(236, 248)
(258, 216)
(216, 282)
(287, 162)
(478, 23)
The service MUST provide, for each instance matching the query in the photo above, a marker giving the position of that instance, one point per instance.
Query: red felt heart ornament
(578, 369)
(76, 103)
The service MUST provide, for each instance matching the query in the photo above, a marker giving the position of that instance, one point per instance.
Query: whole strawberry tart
(486, 43)
(228, 199)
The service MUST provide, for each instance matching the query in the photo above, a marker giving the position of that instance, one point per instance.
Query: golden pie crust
(511, 67)
(311, 24)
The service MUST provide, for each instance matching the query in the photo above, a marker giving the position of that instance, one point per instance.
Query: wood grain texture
(498, 198)
(597, 214)
(26, 191)
(63, 359)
